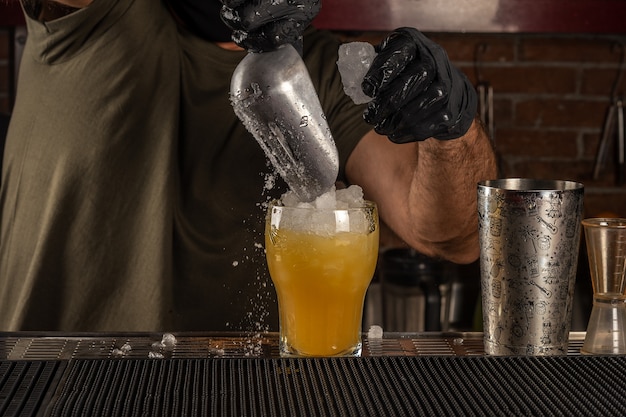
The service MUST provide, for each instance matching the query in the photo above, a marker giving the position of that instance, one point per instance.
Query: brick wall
(551, 94)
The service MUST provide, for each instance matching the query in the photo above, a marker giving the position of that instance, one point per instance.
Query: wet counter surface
(57, 346)
(151, 374)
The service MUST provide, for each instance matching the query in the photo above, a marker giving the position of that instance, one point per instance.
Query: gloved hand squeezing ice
(264, 25)
(417, 93)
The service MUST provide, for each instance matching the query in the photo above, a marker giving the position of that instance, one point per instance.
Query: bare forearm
(442, 199)
(426, 191)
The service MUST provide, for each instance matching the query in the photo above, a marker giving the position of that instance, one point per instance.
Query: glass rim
(276, 203)
(531, 185)
(616, 222)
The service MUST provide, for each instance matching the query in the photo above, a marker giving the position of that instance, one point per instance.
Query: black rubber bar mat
(374, 386)
(25, 385)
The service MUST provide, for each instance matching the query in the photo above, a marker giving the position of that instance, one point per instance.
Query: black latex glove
(417, 93)
(264, 25)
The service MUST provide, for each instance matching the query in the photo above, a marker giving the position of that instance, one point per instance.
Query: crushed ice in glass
(354, 61)
(332, 214)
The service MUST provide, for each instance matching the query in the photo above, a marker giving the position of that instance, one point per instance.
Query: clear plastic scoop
(272, 94)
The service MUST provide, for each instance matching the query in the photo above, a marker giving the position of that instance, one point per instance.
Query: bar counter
(224, 374)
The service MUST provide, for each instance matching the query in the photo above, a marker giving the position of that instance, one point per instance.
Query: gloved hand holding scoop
(273, 95)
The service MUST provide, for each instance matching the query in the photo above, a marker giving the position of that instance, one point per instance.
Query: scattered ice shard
(168, 340)
(375, 332)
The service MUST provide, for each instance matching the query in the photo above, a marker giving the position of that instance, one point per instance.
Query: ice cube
(352, 196)
(168, 340)
(354, 61)
(375, 332)
(327, 200)
(117, 352)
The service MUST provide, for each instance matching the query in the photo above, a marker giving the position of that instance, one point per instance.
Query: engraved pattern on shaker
(529, 247)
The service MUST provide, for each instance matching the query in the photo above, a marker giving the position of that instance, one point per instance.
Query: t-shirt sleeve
(345, 118)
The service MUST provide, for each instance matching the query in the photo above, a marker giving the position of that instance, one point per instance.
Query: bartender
(133, 198)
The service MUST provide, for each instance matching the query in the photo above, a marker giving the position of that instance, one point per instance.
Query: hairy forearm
(426, 191)
(442, 198)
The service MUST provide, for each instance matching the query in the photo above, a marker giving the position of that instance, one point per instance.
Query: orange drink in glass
(321, 262)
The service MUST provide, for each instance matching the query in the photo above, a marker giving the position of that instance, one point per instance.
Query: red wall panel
(559, 16)
(576, 16)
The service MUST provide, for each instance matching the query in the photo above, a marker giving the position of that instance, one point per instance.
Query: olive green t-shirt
(132, 197)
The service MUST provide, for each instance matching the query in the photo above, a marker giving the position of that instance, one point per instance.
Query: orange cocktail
(321, 262)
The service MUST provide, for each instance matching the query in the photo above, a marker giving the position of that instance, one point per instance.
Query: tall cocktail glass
(321, 262)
